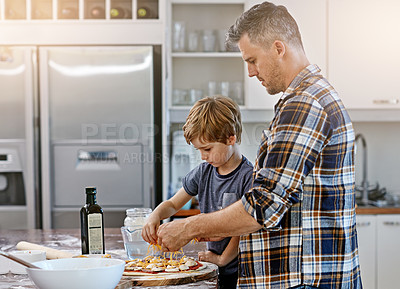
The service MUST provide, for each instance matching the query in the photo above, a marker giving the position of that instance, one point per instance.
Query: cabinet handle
(363, 224)
(391, 223)
(385, 101)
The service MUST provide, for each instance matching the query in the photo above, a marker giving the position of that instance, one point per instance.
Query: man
(297, 223)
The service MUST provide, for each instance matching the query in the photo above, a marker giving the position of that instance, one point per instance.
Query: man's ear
(231, 140)
(280, 48)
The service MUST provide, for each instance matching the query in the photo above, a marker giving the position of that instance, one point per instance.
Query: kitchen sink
(386, 201)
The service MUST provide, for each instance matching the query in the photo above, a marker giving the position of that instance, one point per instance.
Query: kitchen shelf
(79, 10)
(205, 54)
(207, 1)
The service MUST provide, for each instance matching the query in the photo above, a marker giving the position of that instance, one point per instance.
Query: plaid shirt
(303, 194)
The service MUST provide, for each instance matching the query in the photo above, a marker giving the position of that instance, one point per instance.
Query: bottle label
(95, 231)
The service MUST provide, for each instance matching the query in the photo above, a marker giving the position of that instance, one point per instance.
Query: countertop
(377, 210)
(69, 240)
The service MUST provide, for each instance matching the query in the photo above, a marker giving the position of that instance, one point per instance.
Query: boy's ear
(231, 140)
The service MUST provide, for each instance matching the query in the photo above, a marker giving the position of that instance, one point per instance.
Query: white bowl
(77, 273)
(30, 256)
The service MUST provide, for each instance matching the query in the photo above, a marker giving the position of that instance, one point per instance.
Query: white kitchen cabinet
(193, 68)
(388, 251)
(12, 10)
(313, 30)
(363, 52)
(366, 230)
(379, 250)
(54, 29)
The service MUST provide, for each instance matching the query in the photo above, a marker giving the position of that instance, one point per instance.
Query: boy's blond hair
(213, 119)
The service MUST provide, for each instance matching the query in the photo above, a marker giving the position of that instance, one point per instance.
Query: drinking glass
(193, 41)
(221, 39)
(236, 92)
(179, 97)
(225, 85)
(178, 40)
(195, 95)
(213, 88)
(208, 40)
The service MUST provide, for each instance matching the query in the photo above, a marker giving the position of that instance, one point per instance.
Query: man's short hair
(264, 23)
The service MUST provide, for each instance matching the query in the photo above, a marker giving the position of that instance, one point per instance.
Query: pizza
(161, 265)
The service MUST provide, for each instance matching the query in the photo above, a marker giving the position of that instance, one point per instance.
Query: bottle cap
(91, 190)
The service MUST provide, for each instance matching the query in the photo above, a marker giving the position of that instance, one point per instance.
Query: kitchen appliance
(12, 191)
(98, 107)
(17, 146)
(184, 158)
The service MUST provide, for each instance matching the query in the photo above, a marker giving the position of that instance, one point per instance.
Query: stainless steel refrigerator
(17, 142)
(99, 109)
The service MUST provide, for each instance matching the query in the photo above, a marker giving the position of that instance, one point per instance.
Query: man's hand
(231, 221)
(172, 236)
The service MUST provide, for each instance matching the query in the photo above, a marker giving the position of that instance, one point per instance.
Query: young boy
(214, 128)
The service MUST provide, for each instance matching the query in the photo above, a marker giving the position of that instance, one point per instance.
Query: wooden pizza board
(209, 272)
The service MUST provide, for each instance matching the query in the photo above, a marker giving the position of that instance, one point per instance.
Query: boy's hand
(172, 235)
(209, 256)
(149, 231)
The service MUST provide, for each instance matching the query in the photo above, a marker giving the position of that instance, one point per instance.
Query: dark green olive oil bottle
(92, 224)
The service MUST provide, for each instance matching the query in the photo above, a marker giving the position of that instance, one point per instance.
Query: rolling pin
(50, 253)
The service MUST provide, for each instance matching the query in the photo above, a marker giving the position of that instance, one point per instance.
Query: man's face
(263, 63)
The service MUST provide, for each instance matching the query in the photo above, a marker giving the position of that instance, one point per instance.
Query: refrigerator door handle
(97, 156)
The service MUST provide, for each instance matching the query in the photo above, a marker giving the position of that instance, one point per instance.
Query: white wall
(383, 148)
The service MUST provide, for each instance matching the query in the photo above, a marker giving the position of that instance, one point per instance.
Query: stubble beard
(277, 80)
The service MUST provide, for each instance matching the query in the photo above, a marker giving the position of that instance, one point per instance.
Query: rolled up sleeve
(288, 152)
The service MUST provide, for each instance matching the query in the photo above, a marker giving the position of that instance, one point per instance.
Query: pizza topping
(162, 263)
(190, 263)
(183, 267)
(171, 269)
(152, 265)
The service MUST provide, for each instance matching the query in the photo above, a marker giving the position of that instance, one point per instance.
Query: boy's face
(215, 153)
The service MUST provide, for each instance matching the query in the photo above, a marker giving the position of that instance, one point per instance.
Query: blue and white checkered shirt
(303, 194)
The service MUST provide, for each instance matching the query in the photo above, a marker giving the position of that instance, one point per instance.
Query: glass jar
(136, 217)
(135, 246)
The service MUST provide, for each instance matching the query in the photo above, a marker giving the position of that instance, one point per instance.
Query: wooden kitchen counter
(377, 210)
(69, 240)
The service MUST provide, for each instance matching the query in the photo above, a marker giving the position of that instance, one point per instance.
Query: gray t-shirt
(217, 191)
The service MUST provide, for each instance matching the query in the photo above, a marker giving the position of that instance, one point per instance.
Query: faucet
(364, 183)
